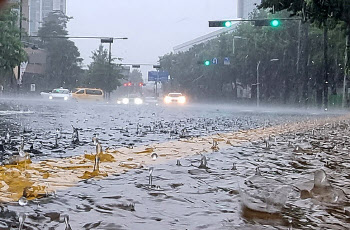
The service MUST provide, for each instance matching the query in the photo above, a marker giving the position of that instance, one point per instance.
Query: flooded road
(184, 195)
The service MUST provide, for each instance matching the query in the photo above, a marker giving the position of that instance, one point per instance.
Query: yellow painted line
(35, 180)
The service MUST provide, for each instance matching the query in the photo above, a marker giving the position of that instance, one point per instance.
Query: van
(88, 94)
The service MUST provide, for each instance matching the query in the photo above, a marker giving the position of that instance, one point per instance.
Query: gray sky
(153, 27)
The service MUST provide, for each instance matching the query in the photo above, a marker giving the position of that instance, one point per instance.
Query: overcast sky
(153, 27)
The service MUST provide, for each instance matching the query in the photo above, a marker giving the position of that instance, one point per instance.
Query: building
(25, 13)
(39, 9)
(243, 9)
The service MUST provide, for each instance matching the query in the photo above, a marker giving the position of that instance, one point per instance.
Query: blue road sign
(227, 61)
(215, 61)
(158, 76)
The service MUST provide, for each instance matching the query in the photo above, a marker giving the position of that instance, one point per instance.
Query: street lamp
(258, 83)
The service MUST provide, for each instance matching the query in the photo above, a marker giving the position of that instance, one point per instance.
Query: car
(88, 94)
(131, 99)
(177, 98)
(59, 94)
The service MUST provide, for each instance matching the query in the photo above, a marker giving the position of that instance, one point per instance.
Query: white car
(60, 94)
(131, 99)
(177, 98)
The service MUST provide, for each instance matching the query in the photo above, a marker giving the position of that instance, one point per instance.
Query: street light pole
(257, 85)
(109, 41)
(20, 38)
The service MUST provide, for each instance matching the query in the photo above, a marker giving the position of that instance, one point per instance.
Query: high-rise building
(245, 7)
(39, 9)
(25, 13)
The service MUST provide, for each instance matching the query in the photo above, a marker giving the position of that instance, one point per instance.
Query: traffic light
(268, 22)
(220, 24)
(275, 23)
(206, 62)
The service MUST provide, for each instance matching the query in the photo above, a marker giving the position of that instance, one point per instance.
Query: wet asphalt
(183, 196)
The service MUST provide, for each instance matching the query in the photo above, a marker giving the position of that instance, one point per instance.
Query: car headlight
(125, 101)
(138, 101)
(50, 97)
(167, 99)
(182, 100)
(65, 98)
(119, 102)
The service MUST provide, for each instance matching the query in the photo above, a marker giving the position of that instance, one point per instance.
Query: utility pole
(109, 41)
(257, 85)
(347, 59)
(20, 38)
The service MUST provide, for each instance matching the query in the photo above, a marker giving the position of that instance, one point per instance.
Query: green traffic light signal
(228, 24)
(206, 63)
(275, 23)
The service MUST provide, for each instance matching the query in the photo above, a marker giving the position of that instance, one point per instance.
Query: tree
(320, 12)
(103, 74)
(63, 57)
(292, 79)
(11, 48)
(135, 77)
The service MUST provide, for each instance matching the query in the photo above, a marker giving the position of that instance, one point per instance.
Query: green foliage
(281, 81)
(135, 76)
(323, 13)
(103, 74)
(63, 57)
(11, 48)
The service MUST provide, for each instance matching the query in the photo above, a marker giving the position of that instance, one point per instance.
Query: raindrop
(257, 171)
(21, 219)
(178, 163)
(234, 167)
(58, 133)
(150, 171)
(8, 137)
(203, 164)
(66, 221)
(23, 201)
(290, 221)
(75, 135)
(154, 156)
(21, 148)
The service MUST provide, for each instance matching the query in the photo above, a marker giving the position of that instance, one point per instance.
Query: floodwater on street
(267, 184)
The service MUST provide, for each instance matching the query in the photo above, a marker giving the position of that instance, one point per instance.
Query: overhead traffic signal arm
(226, 23)
(257, 22)
(268, 22)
